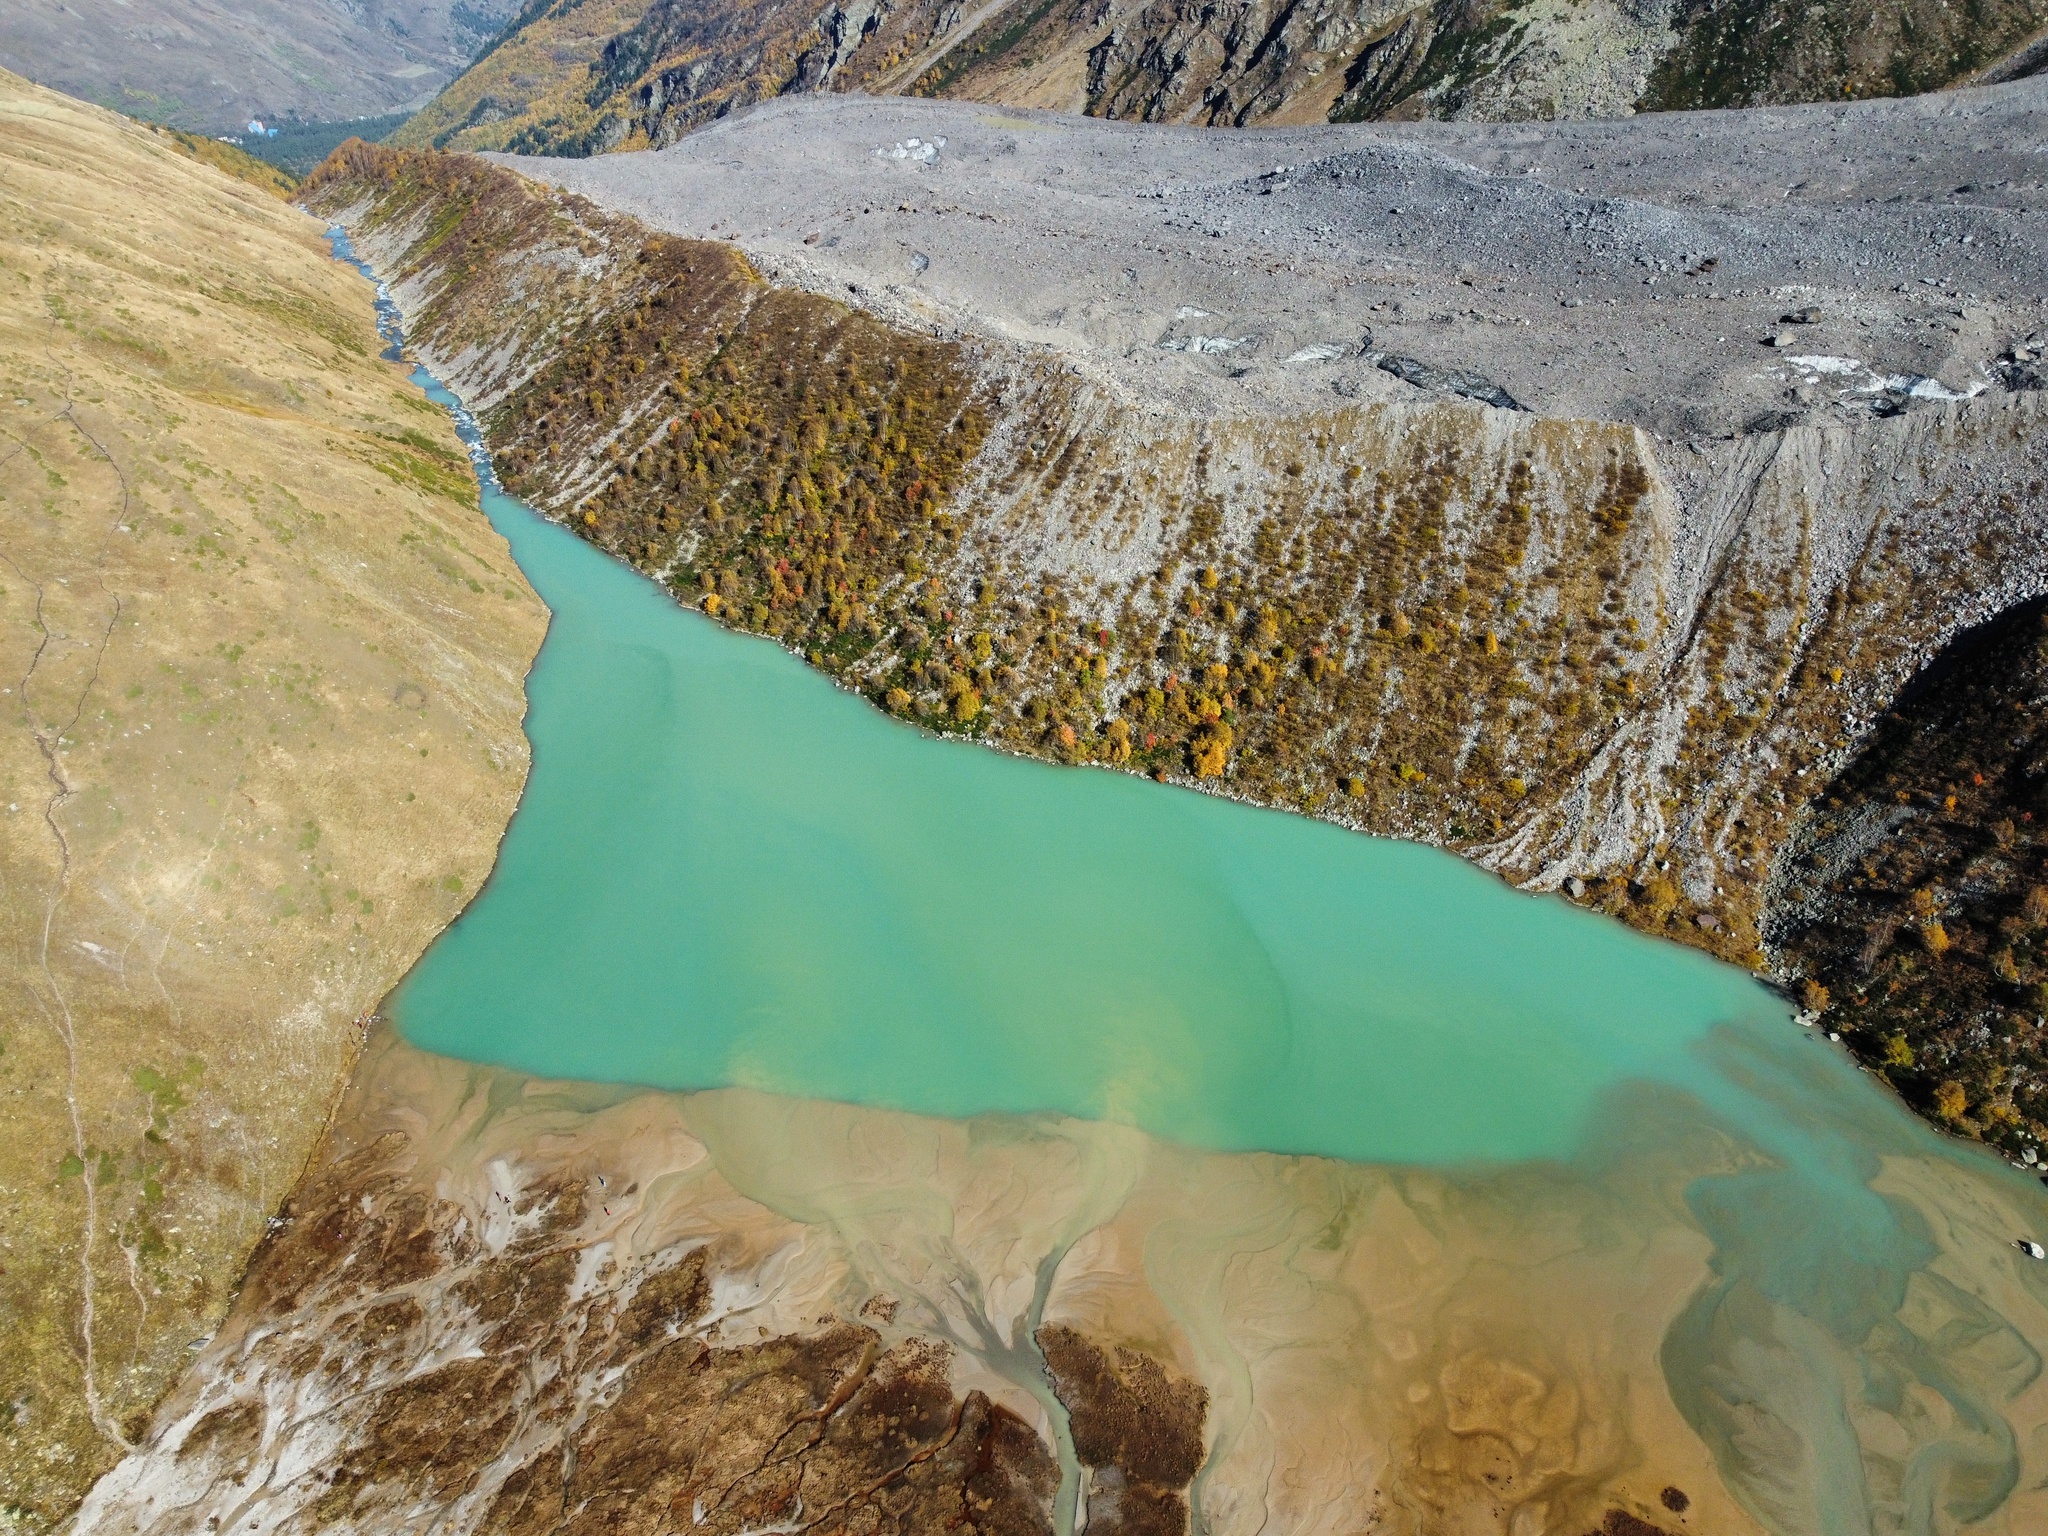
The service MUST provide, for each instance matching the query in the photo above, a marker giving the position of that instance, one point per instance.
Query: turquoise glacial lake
(726, 871)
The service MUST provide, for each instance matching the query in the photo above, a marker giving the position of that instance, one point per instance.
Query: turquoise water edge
(727, 871)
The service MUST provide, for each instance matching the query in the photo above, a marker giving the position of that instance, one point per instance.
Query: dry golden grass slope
(261, 665)
(238, 163)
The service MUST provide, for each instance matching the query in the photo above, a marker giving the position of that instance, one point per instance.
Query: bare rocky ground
(1632, 271)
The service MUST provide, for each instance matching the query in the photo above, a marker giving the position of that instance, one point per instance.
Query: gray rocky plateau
(1635, 270)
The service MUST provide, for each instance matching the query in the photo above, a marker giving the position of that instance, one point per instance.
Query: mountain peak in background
(582, 77)
(209, 67)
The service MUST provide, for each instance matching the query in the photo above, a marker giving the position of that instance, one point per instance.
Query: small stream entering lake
(727, 871)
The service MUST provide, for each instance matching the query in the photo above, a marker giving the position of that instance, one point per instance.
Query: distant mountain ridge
(590, 76)
(200, 65)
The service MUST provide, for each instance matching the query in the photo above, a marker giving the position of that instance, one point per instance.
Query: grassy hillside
(262, 660)
(238, 163)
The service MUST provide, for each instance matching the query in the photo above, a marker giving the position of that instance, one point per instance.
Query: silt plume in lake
(1240, 1169)
(728, 872)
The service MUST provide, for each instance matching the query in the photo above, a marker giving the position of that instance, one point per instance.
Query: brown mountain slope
(210, 66)
(586, 76)
(260, 693)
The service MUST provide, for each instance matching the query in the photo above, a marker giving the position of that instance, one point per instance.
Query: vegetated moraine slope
(222, 156)
(212, 67)
(262, 661)
(586, 76)
(1915, 898)
(1583, 657)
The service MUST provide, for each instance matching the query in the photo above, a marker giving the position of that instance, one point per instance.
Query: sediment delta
(509, 1304)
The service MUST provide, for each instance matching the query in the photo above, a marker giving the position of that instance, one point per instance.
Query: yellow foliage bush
(1661, 895)
(1950, 1101)
(1210, 749)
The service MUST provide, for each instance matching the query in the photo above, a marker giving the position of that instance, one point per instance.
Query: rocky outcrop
(1508, 63)
(681, 65)
(1245, 63)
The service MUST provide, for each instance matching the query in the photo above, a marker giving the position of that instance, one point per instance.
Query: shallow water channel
(728, 871)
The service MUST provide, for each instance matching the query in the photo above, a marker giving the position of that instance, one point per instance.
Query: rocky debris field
(1698, 274)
